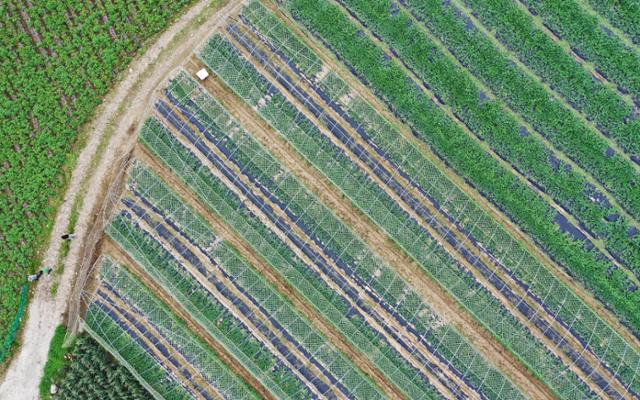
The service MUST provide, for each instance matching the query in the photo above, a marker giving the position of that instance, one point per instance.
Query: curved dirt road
(125, 106)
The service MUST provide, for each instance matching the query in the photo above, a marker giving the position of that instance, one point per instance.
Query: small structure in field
(202, 74)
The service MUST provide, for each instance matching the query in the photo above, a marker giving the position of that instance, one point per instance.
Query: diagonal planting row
(526, 95)
(488, 120)
(182, 217)
(500, 186)
(403, 193)
(539, 284)
(446, 341)
(412, 305)
(225, 60)
(140, 328)
(512, 26)
(256, 303)
(591, 41)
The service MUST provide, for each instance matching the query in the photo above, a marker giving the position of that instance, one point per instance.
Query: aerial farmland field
(377, 199)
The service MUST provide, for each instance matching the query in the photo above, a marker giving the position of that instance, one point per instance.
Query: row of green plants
(600, 337)
(91, 373)
(337, 237)
(145, 305)
(590, 40)
(300, 275)
(280, 307)
(203, 306)
(144, 366)
(56, 63)
(531, 100)
(387, 214)
(517, 31)
(447, 139)
(624, 15)
(501, 130)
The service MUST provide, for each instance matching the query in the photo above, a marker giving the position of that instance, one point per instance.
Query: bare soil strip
(115, 251)
(366, 93)
(432, 292)
(228, 233)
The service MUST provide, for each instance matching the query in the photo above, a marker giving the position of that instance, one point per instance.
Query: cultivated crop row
(185, 164)
(559, 302)
(517, 30)
(341, 250)
(591, 41)
(488, 120)
(518, 201)
(225, 60)
(130, 319)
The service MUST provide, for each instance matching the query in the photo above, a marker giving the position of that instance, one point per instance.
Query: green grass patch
(55, 361)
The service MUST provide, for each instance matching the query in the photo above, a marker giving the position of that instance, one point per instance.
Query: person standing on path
(68, 236)
(35, 277)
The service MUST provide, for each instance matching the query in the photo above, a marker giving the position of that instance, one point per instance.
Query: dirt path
(110, 139)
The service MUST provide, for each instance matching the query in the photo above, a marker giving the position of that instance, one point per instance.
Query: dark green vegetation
(90, 373)
(489, 121)
(57, 60)
(588, 38)
(497, 183)
(516, 30)
(624, 15)
(56, 361)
